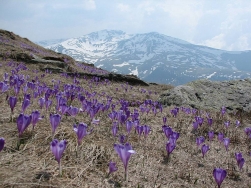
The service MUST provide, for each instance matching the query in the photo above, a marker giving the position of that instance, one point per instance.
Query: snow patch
(209, 76)
(114, 70)
(135, 72)
(121, 65)
(98, 66)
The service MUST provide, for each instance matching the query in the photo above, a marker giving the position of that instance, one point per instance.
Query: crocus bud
(219, 175)
(226, 142)
(220, 137)
(204, 149)
(112, 167)
(12, 103)
(55, 121)
(211, 135)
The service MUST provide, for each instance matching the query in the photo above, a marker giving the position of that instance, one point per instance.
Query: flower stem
(126, 175)
(60, 169)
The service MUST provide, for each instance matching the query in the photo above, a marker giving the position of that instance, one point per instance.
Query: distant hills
(154, 57)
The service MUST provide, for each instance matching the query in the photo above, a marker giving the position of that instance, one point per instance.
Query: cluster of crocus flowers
(172, 138)
(240, 160)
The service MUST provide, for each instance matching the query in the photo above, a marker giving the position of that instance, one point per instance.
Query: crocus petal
(2, 142)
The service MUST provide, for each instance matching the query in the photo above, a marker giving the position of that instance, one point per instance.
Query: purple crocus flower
(210, 121)
(129, 125)
(12, 103)
(41, 102)
(204, 149)
(55, 121)
(139, 129)
(164, 120)
(226, 142)
(167, 130)
(112, 167)
(237, 123)
(73, 111)
(112, 115)
(223, 110)
(16, 89)
(219, 175)
(122, 139)
(247, 130)
(124, 152)
(238, 156)
(35, 116)
(211, 135)
(57, 149)
(200, 120)
(240, 160)
(220, 137)
(23, 121)
(27, 96)
(240, 163)
(174, 137)
(195, 125)
(227, 124)
(48, 104)
(81, 131)
(146, 130)
(63, 109)
(2, 142)
(115, 129)
(25, 104)
(174, 112)
(200, 140)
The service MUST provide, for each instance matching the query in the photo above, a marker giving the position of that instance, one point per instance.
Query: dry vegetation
(33, 164)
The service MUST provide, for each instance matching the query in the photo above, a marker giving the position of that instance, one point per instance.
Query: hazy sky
(223, 24)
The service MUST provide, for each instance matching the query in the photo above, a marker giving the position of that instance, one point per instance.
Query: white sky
(222, 24)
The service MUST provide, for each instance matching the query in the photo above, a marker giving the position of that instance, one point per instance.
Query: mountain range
(154, 57)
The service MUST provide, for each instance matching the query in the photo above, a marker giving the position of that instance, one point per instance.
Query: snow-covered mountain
(155, 57)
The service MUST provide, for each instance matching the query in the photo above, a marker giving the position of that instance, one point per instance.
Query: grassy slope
(33, 165)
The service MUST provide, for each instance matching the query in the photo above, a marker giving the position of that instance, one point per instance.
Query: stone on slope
(206, 94)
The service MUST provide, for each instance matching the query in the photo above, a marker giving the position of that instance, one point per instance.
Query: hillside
(117, 114)
(155, 57)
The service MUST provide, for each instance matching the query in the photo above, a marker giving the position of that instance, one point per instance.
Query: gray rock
(132, 80)
(206, 94)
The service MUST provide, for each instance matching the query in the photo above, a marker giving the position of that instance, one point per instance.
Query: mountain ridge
(155, 57)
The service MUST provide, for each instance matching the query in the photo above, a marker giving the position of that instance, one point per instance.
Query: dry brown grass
(33, 165)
